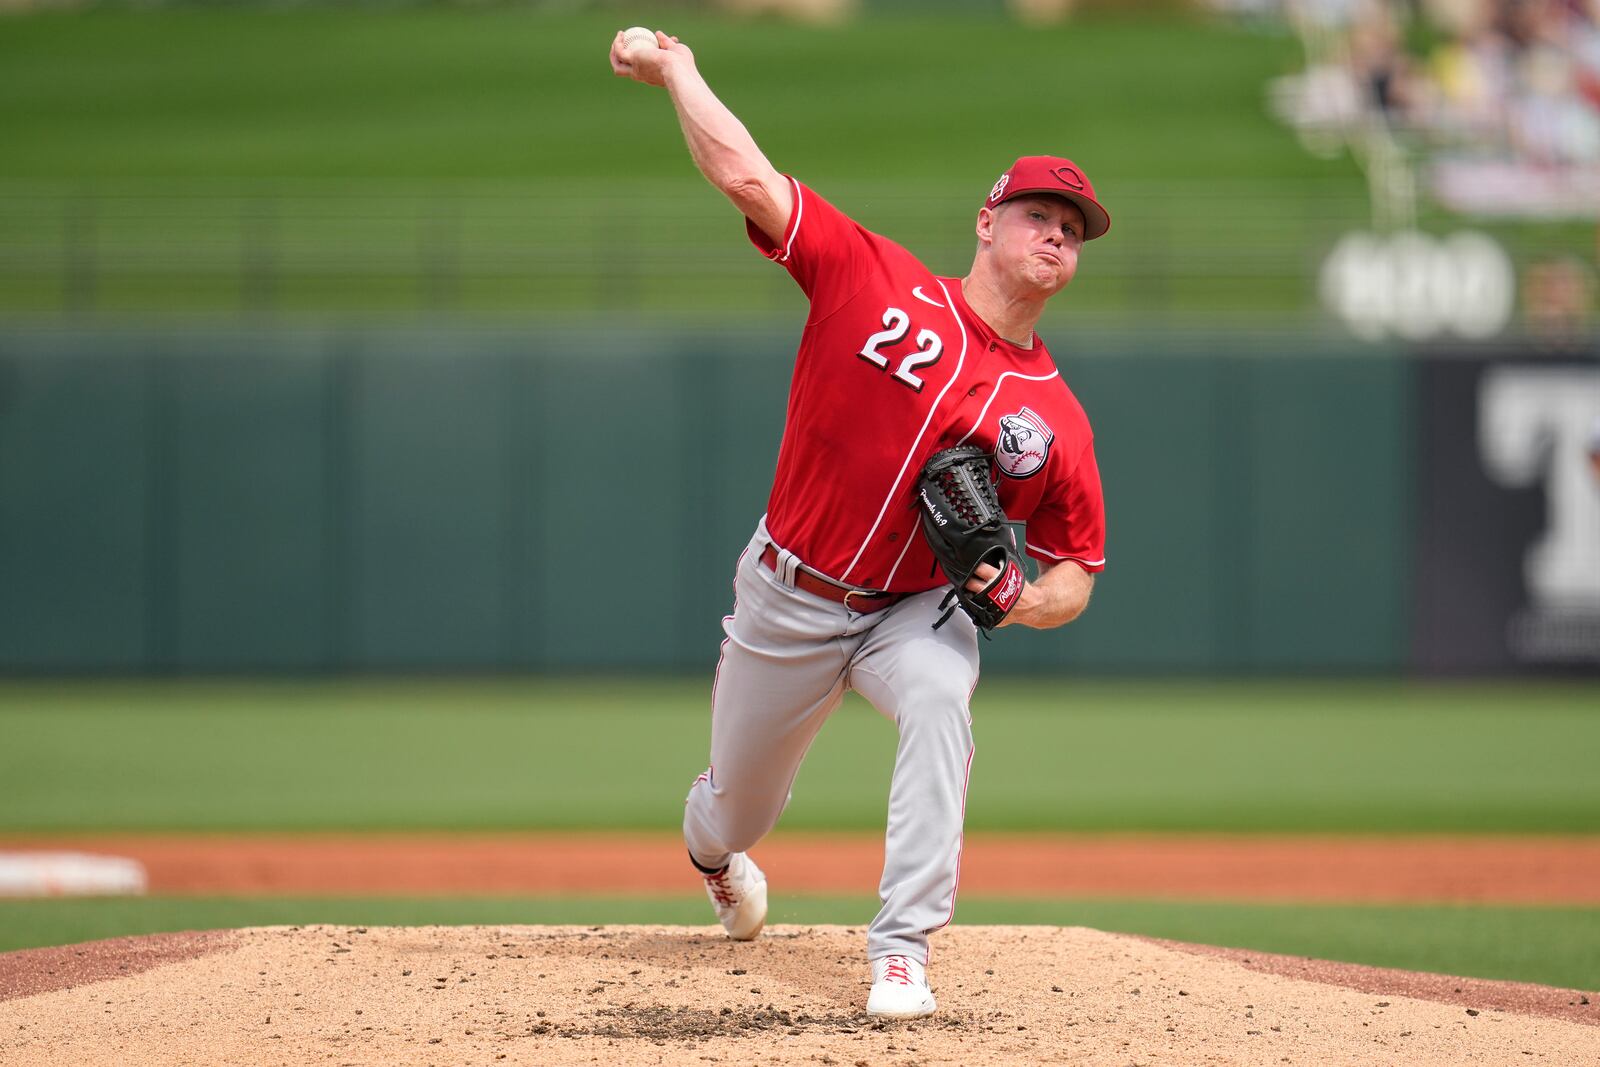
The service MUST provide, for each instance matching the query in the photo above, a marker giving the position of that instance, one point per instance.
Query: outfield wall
(377, 500)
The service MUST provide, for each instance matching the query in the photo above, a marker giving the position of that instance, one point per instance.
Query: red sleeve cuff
(779, 253)
(1088, 563)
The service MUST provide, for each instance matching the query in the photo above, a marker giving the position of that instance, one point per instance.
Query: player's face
(1036, 239)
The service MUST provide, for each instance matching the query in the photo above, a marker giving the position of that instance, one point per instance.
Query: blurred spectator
(1586, 51)
(1350, 74)
(1469, 71)
(1594, 448)
(1041, 12)
(1380, 64)
(1558, 296)
(1552, 122)
(816, 11)
(1510, 80)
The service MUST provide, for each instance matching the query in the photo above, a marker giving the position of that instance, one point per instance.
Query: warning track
(1373, 869)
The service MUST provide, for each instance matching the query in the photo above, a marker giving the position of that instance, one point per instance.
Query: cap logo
(1069, 177)
(1000, 186)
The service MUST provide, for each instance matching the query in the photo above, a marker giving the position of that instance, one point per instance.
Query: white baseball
(637, 37)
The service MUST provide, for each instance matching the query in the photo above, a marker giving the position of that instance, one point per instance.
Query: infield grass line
(1557, 946)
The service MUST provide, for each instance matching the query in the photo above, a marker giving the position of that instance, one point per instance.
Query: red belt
(860, 601)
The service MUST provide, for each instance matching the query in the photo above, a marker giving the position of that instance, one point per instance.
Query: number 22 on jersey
(896, 325)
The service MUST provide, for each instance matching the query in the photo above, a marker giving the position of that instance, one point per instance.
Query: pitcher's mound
(677, 995)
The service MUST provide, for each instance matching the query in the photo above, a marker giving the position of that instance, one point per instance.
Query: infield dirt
(678, 995)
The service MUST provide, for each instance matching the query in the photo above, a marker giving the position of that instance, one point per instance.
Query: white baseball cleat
(899, 989)
(739, 894)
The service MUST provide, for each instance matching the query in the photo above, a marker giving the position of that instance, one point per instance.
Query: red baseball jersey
(893, 366)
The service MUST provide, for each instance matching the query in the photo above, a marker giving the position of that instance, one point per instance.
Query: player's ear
(985, 227)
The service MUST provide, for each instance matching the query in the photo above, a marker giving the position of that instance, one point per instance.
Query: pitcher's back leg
(782, 672)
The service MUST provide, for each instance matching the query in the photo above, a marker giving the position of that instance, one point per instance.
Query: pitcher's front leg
(922, 680)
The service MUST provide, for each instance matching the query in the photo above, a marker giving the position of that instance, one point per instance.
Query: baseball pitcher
(924, 412)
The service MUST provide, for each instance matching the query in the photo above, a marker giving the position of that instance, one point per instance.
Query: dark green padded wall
(245, 512)
(487, 499)
(75, 480)
(430, 582)
(1329, 479)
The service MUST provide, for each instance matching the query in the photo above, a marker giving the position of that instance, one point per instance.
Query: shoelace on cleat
(720, 889)
(897, 970)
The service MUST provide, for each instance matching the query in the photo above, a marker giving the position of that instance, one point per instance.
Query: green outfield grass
(1555, 946)
(572, 754)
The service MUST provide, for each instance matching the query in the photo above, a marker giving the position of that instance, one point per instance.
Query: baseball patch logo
(999, 188)
(1023, 444)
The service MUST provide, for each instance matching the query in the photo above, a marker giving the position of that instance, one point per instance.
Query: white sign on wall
(1415, 286)
(1534, 428)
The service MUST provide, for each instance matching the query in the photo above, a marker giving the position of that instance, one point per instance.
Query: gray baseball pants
(788, 660)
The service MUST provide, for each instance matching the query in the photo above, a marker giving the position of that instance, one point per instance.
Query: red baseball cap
(1057, 177)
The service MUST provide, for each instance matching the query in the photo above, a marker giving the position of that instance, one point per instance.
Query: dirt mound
(676, 995)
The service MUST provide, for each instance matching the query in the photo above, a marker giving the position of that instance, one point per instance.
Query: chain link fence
(290, 248)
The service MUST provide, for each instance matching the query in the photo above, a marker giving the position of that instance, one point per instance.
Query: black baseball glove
(963, 523)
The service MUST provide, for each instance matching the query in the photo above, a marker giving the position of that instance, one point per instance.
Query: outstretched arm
(720, 145)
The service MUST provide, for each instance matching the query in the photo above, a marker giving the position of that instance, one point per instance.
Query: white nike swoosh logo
(924, 297)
